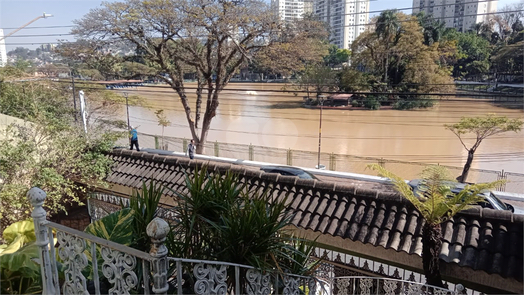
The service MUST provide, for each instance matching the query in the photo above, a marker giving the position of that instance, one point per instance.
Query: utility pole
(128, 124)
(321, 101)
(74, 95)
(127, 110)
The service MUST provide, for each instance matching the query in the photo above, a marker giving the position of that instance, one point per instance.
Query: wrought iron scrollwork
(343, 286)
(291, 285)
(390, 287)
(210, 280)
(71, 251)
(257, 283)
(365, 286)
(118, 268)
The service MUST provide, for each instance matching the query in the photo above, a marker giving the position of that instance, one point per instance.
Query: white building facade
(288, 10)
(3, 51)
(346, 18)
(459, 14)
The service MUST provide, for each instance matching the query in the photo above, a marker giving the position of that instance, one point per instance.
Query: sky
(15, 13)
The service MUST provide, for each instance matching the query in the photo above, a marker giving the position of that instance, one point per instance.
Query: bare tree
(208, 39)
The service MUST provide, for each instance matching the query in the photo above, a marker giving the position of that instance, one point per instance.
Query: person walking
(133, 136)
(191, 149)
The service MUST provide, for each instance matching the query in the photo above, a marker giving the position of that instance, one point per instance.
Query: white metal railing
(383, 286)
(89, 262)
(92, 265)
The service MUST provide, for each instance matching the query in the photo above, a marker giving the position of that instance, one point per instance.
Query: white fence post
(37, 198)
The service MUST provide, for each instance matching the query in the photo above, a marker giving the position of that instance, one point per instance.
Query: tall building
(458, 14)
(3, 51)
(288, 9)
(346, 18)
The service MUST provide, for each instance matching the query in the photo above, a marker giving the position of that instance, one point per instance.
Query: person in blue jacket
(133, 135)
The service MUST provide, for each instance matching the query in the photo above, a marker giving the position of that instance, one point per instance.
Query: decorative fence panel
(92, 265)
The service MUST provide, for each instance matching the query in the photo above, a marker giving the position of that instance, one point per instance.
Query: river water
(258, 114)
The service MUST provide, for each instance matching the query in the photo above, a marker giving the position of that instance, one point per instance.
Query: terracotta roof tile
(482, 239)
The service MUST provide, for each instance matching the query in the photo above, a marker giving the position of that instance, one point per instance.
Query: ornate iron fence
(383, 286)
(91, 265)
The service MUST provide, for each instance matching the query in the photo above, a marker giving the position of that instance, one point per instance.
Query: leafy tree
(473, 55)
(317, 78)
(162, 121)
(47, 151)
(298, 44)
(337, 56)
(396, 54)
(509, 59)
(388, 30)
(433, 30)
(210, 40)
(436, 203)
(481, 128)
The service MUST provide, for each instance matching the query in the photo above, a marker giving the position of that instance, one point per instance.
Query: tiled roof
(480, 239)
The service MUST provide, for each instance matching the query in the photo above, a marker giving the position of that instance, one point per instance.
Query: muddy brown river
(252, 114)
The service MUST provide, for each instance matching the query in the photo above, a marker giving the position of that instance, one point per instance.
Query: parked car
(491, 201)
(288, 171)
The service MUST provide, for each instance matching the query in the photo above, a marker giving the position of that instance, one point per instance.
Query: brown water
(274, 119)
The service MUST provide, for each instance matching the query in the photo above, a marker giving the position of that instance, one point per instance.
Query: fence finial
(157, 230)
(37, 197)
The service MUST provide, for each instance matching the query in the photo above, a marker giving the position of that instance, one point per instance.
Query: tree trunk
(431, 246)
(467, 166)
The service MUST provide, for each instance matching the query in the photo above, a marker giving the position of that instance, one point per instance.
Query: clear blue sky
(15, 13)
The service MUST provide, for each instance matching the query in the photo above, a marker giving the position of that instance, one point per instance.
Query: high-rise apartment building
(346, 18)
(3, 51)
(288, 10)
(458, 14)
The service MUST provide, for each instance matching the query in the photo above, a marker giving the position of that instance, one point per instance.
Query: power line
(325, 92)
(44, 27)
(43, 35)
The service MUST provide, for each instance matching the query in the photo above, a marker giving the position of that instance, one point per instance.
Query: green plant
(144, 205)
(219, 218)
(19, 272)
(408, 104)
(116, 227)
(371, 103)
(17, 235)
(436, 203)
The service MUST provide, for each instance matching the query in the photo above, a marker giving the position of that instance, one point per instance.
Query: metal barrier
(379, 286)
(89, 261)
(334, 162)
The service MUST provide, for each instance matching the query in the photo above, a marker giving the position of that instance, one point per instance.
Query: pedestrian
(191, 149)
(133, 136)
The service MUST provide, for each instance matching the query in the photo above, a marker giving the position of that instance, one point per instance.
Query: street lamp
(321, 102)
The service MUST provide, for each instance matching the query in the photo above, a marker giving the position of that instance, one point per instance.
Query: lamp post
(321, 101)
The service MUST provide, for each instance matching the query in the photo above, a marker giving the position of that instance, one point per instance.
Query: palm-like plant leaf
(435, 200)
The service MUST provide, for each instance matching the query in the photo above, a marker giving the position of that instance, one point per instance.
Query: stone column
(157, 230)
(37, 197)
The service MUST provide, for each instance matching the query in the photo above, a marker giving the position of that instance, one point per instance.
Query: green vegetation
(217, 219)
(436, 203)
(49, 151)
(19, 271)
(481, 128)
